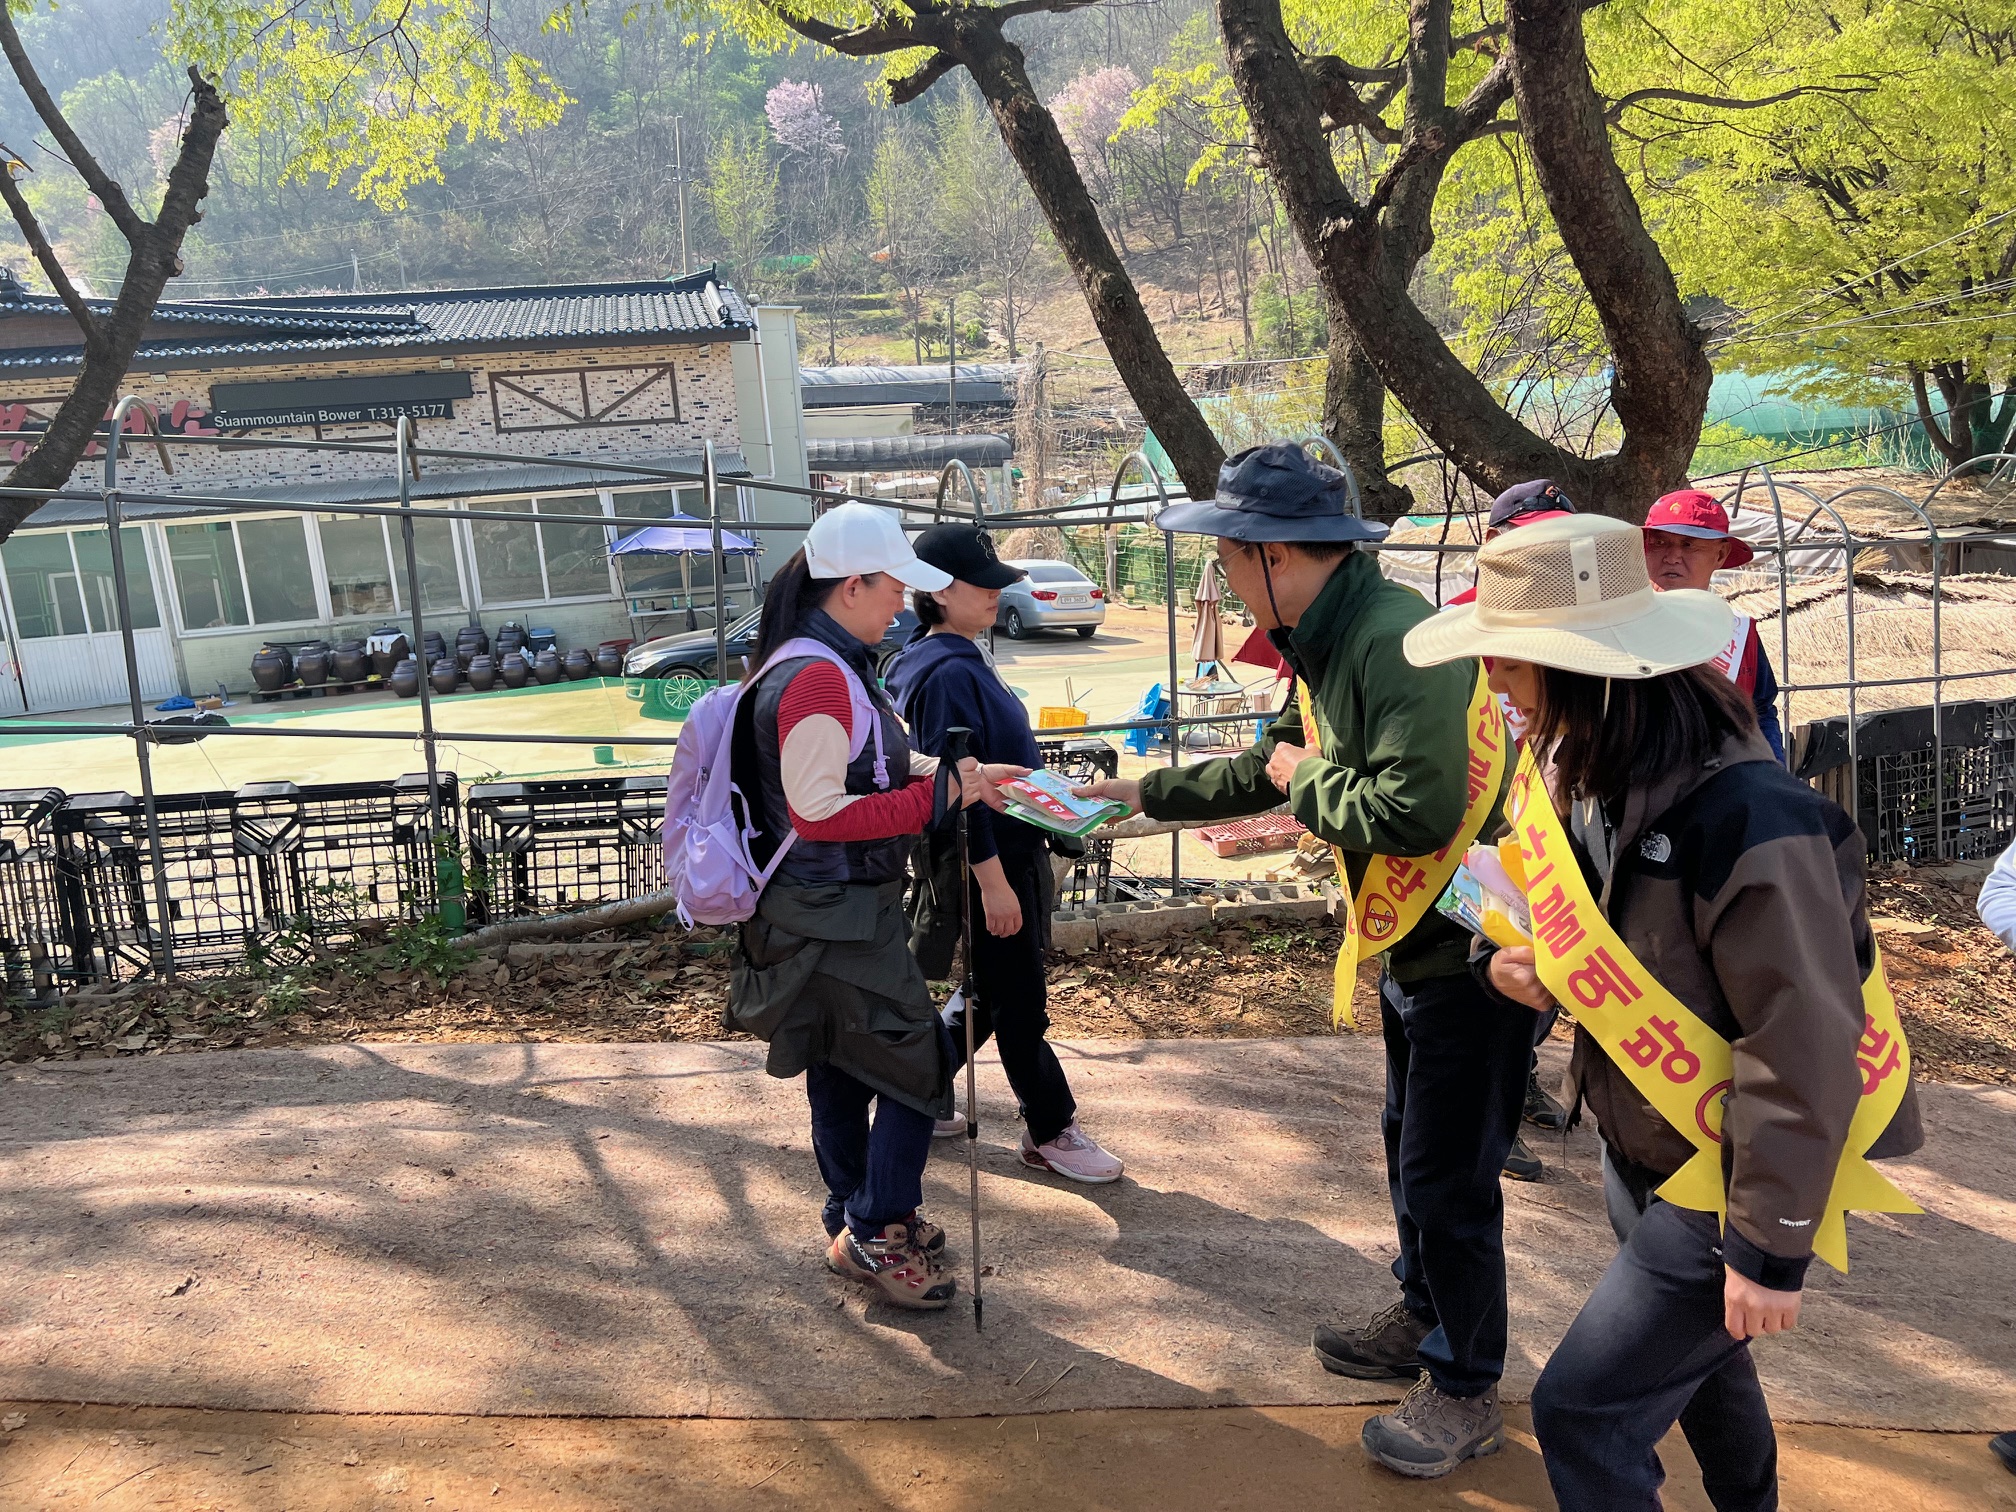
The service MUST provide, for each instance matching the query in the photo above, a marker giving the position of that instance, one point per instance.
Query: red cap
(1691, 512)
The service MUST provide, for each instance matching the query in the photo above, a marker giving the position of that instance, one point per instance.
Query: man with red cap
(1687, 540)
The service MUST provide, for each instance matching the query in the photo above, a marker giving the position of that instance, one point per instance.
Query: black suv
(691, 654)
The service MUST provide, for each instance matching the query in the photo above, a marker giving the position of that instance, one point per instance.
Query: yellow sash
(1676, 1062)
(1398, 890)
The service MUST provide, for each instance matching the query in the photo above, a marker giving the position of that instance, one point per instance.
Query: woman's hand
(1281, 765)
(1512, 974)
(1749, 1309)
(1125, 790)
(973, 784)
(1003, 908)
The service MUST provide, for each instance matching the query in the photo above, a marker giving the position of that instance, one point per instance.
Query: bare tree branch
(100, 183)
(902, 91)
(38, 243)
(1616, 108)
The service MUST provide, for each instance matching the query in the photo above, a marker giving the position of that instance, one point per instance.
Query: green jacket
(1391, 780)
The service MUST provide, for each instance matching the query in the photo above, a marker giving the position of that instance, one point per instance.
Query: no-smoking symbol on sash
(1380, 919)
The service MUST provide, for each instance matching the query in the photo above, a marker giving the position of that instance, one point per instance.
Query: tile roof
(697, 305)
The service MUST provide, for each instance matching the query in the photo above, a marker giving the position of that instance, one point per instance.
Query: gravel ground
(1955, 984)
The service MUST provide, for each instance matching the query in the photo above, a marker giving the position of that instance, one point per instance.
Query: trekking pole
(955, 752)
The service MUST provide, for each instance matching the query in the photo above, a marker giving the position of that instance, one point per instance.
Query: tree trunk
(108, 349)
(1032, 137)
(1354, 418)
(1363, 254)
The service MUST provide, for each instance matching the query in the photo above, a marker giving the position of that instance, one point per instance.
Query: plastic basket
(1059, 717)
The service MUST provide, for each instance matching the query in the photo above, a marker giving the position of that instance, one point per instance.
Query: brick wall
(526, 403)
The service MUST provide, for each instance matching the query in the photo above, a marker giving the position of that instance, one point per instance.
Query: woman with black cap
(942, 679)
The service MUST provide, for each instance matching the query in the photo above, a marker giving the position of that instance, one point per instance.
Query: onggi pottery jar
(432, 646)
(388, 647)
(311, 664)
(470, 642)
(546, 666)
(608, 661)
(579, 664)
(446, 674)
(272, 669)
(482, 673)
(405, 677)
(514, 669)
(510, 637)
(350, 663)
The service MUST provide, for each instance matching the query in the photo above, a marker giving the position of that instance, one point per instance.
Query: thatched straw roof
(1893, 637)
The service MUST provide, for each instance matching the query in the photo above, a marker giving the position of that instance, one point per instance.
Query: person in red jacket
(1687, 541)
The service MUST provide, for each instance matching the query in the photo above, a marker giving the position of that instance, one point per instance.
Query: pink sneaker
(1073, 1154)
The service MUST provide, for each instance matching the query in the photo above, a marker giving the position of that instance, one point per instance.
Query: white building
(640, 373)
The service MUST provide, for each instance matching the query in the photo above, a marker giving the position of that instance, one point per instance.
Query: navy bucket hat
(1276, 492)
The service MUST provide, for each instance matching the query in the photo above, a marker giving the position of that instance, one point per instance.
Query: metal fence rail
(147, 884)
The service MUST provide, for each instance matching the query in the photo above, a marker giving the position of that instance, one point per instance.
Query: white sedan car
(1054, 596)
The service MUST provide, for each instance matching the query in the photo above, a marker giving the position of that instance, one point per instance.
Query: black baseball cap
(1529, 504)
(967, 552)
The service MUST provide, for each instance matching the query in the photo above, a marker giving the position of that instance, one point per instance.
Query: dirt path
(116, 1459)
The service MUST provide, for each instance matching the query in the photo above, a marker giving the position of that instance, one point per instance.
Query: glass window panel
(101, 601)
(507, 555)
(276, 567)
(353, 556)
(47, 597)
(577, 556)
(646, 504)
(434, 555)
(204, 563)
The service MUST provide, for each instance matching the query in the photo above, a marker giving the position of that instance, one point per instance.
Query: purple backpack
(708, 863)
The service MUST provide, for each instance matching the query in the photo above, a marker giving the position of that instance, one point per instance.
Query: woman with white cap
(1712, 877)
(824, 972)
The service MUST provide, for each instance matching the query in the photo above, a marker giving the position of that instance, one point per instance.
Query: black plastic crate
(535, 847)
(265, 868)
(328, 858)
(32, 953)
(1079, 760)
(1902, 778)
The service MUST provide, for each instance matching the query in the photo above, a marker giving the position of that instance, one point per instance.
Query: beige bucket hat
(1572, 593)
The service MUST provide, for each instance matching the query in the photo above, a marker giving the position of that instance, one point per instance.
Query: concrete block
(1074, 932)
(1279, 902)
(1152, 921)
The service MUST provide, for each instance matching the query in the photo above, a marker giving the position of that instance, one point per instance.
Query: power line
(1837, 290)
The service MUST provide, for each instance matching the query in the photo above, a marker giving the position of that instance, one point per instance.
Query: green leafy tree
(742, 193)
(372, 91)
(985, 213)
(1860, 230)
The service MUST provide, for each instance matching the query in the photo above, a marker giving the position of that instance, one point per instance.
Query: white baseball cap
(857, 539)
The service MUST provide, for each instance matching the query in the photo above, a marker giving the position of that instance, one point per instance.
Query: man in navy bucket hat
(1384, 773)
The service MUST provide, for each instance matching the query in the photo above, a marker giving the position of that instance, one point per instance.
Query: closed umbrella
(1207, 645)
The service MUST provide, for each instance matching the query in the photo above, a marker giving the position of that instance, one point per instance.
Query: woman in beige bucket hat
(1741, 891)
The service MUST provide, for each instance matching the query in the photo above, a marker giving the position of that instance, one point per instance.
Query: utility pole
(679, 177)
(356, 274)
(400, 248)
(952, 359)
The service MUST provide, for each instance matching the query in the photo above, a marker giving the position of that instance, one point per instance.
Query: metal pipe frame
(1805, 535)
(161, 946)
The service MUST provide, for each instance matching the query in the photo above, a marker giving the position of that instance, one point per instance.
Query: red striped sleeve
(821, 688)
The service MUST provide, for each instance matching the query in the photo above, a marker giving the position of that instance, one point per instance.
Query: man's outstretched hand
(1125, 790)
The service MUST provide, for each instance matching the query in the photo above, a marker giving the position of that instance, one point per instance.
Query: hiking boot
(895, 1265)
(1075, 1154)
(1386, 1349)
(2004, 1445)
(1521, 1164)
(1430, 1433)
(1542, 1110)
(930, 1237)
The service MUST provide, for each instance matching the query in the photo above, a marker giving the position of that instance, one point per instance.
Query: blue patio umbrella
(682, 535)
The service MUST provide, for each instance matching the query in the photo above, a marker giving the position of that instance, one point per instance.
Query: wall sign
(336, 401)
